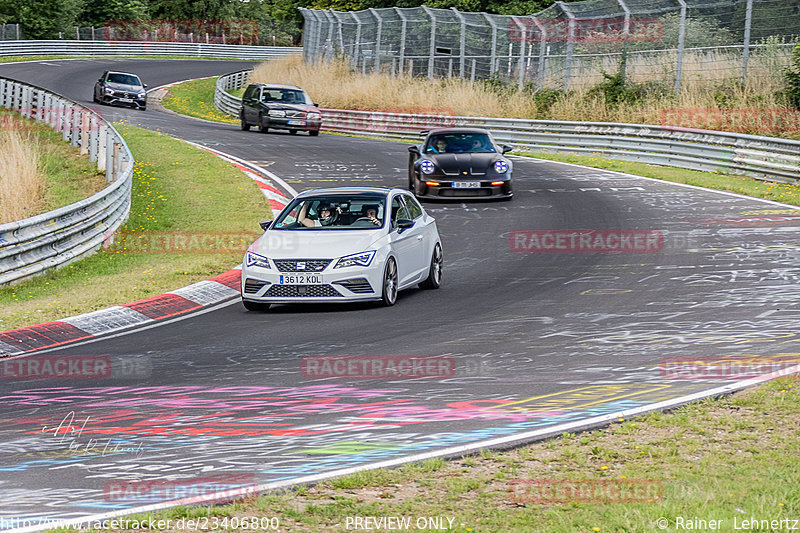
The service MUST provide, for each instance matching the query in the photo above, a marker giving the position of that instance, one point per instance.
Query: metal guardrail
(139, 48)
(756, 156)
(53, 239)
(226, 102)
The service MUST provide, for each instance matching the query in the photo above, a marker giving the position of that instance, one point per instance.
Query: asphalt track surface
(536, 339)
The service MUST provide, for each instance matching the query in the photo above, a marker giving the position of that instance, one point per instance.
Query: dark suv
(284, 107)
(120, 88)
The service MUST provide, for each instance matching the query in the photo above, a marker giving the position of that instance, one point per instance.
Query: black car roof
(457, 130)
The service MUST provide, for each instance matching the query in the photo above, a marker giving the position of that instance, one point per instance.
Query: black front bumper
(445, 190)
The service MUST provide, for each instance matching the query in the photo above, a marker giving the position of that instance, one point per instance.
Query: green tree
(100, 12)
(194, 9)
(43, 19)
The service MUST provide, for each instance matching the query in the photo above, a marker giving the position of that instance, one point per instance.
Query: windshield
(361, 211)
(285, 96)
(460, 143)
(127, 79)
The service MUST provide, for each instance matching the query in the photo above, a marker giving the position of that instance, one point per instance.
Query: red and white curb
(181, 301)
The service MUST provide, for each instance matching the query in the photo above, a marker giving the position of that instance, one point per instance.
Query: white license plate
(301, 279)
(297, 122)
(466, 185)
(126, 100)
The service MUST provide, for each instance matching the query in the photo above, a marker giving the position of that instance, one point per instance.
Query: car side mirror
(265, 224)
(403, 224)
(507, 148)
(414, 149)
(144, 85)
(315, 104)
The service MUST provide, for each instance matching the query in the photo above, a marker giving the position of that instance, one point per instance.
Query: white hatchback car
(343, 245)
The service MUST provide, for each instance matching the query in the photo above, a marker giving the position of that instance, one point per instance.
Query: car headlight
(141, 94)
(253, 259)
(314, 117)
(360, 259)
(500, 166)
(108, 90)
(277, 113)
(427, 167)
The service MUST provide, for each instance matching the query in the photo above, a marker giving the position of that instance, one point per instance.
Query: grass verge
(726, 459)
(196, 99)
(68, 176)
(178, 190)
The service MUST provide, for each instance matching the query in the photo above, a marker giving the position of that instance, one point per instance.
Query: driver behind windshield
(327, 215)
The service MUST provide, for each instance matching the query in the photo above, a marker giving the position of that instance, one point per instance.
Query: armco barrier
(50, 240)
(140, 48)
(756, 156)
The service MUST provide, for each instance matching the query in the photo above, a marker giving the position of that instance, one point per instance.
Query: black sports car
(120, 88)
(459, 163)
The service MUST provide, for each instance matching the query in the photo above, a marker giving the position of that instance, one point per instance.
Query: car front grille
(252, 286)
(465, 192)
(357, 285)
(301, 291)
(295, 114)
(311, 265)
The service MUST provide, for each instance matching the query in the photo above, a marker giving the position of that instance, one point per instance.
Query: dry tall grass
(21, 184)
(708, 100)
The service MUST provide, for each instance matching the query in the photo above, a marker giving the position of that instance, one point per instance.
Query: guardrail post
(101, 135)
(116, 160)
(681, 39)
(66, 121)
(84, 132)
(748, 20)
(109, 148)
(94, 140)
(76, 127)
(27, 102)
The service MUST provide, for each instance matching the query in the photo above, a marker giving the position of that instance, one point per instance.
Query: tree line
(50, 19)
